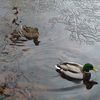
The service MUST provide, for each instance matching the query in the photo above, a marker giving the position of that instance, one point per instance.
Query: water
(59, 42)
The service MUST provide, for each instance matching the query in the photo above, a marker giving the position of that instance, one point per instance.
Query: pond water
(37, 62)
(40, 61)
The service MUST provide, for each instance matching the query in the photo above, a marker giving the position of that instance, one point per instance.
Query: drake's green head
(87, 67)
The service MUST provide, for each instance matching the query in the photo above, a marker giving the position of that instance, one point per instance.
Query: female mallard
(73, 71)
(30, 33)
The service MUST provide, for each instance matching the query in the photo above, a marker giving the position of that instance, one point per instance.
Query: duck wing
(76, 76)
(69, 75)
(72, 67)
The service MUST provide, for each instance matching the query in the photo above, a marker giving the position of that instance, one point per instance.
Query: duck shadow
(88, 85)
(66, 88)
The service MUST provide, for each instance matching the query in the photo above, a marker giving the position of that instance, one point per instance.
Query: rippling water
(41, 60)
(37, 62)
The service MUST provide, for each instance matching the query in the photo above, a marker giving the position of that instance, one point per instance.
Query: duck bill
(94, 69)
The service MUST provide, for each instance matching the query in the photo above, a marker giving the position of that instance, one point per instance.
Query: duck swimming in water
(75, 72)
(30, 33)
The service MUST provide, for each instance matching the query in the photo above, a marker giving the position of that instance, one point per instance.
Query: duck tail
(57, 67)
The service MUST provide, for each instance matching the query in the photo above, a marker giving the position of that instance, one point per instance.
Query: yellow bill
(94, 69)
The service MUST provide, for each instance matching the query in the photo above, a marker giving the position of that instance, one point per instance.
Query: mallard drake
(75, 72)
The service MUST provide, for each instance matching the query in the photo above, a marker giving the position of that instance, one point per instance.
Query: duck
(30, 33)
(75, 72)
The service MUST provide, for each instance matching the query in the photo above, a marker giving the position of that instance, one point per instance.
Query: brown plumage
(86, 80)
(31, 34)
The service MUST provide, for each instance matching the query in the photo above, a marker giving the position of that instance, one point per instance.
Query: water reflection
(90, 84)
(86, 81)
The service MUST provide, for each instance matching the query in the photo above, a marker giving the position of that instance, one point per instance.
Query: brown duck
(30, 33)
